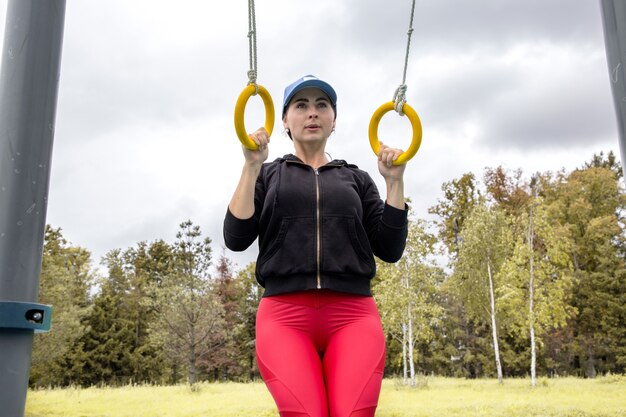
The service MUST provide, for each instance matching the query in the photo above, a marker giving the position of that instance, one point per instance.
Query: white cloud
(145, 136)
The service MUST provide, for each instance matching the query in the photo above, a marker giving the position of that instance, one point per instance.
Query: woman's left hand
(386, 156)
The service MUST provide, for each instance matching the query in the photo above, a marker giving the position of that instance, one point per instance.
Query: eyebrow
(306, 100)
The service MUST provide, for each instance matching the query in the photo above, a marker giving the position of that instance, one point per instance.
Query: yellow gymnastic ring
(416, 141)
(240, 109)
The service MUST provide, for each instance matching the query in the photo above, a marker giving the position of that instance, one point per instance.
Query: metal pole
(29, 80)
(614, 23)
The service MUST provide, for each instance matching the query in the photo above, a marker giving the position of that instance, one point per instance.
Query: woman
(319, 341)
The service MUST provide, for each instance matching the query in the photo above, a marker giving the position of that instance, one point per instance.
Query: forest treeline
(516, 275)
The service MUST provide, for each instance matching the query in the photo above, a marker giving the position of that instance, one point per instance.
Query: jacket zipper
(318, 238)
(318, 234)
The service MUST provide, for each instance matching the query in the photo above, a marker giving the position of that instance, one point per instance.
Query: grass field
(435, 397)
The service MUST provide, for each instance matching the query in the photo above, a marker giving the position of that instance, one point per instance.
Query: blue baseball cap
(309, 81)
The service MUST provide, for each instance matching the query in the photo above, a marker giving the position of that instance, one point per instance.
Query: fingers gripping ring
(240, 109)
(416, 141)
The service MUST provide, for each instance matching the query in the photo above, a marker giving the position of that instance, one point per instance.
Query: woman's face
(310, 116)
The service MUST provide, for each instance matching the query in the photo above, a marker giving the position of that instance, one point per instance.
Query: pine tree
(65, 281)
(103, 355)
(190, 316)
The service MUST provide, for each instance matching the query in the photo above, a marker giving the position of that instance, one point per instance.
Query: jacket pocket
(345, 248)
(292, 251)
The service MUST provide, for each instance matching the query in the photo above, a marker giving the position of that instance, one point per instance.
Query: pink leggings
(321, 353)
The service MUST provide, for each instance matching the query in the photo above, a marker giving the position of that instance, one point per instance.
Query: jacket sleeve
(239, 234)
(386, 226)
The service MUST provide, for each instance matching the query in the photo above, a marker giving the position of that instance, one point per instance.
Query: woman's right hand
(259, 155)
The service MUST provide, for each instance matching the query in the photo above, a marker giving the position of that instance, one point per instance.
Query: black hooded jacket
(317, 228)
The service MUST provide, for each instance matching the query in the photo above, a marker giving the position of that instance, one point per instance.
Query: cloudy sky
(145, 137)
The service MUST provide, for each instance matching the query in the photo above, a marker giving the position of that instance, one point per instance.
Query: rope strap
(399, 97)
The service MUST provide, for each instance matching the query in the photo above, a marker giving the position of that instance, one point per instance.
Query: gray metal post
(29, 80)
(614, 23)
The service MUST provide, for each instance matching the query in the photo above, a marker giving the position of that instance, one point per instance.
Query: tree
(591, 204)
(225, 360)
(507, 190)
(251, 293)
(531, 296)
(407, 294)
(539, 278)
(486, 246)
(145, 266)
(103, 355)
(460, 197)
(65, 281)
(540, 261)
(190, 316)
(610, 162)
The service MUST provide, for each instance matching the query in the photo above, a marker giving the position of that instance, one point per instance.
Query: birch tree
(486, 246)
(531, 298)
(406, 292)
(539, 280)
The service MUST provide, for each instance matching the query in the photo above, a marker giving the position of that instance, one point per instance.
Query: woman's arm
(240, 225)
(242, 202)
